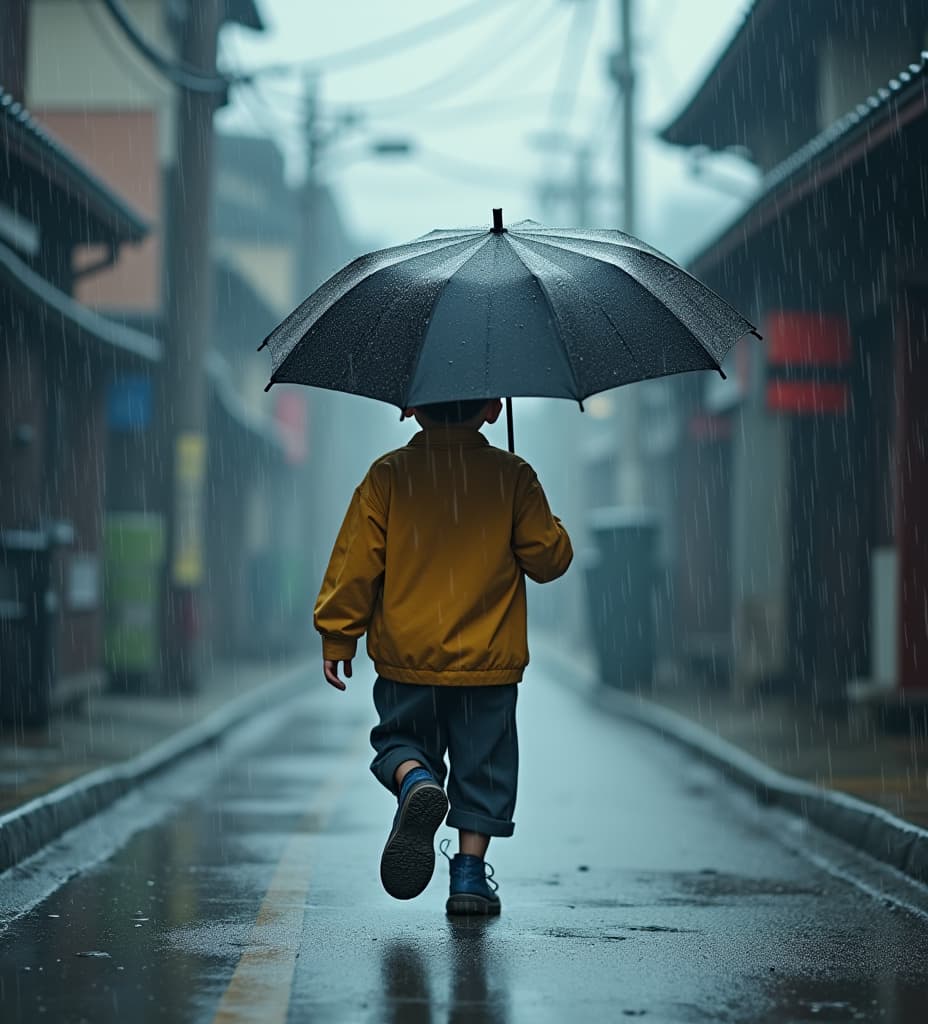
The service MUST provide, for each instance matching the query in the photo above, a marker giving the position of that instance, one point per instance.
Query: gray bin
(27, 607)
(621, 578)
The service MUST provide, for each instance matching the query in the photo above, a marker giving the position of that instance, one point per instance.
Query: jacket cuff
(335, 648)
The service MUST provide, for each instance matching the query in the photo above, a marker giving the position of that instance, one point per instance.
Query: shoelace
(488, 868)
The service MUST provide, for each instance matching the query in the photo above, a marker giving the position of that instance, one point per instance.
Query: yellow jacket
(431, 562)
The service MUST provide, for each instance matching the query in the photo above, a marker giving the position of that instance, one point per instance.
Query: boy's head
(472, 412)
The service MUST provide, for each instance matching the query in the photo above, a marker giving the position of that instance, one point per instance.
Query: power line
(180, 73)
(267, 116)
(573, 61)
(128, 59)
(524, 61)
(470, 68)
(395, 108)
(387, 46)
(464, 170)
(488, 109)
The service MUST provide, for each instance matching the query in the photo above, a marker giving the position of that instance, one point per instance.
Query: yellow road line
(260, 986)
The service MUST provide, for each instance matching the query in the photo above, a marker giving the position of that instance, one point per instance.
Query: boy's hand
(330, 669)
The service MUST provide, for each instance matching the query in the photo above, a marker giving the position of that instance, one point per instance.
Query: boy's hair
(453, 412)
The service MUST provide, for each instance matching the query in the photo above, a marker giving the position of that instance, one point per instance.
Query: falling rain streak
(734, 436)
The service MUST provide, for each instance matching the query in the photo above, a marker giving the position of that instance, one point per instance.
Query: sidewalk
(108, 729)
(843, 750)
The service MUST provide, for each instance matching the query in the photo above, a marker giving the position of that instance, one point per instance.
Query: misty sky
(476, 101)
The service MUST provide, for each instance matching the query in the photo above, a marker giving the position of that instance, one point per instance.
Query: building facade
(59, 360)
(812, 457)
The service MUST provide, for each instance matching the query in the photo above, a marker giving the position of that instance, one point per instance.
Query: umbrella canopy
(524, 310)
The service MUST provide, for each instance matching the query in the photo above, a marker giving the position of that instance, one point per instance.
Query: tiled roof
(678, 131)
(905, 86)
(906, 81)
(22, 133)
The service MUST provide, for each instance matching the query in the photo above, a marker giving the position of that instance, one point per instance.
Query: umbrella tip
(270, 384)
(498, 221)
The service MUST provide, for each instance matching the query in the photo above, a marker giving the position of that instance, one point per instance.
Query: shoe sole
(408, 859)
(468, 905)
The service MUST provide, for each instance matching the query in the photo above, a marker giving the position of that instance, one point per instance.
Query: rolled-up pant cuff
(471, 822)
(384, 767)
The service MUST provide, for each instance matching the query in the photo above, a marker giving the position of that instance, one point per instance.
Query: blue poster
(128, 402)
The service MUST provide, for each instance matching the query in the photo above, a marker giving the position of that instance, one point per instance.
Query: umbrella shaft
(512, 445)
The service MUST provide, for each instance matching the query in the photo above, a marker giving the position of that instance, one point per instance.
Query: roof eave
(76, 320)
(859, 132)
(683, 130)
(245, 13)
(28, 139)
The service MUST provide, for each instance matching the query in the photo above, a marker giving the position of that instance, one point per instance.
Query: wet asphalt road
(638, 885)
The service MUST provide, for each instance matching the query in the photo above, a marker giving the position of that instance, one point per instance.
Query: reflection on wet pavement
(657, 893)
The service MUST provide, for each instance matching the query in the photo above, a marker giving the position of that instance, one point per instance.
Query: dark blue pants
(475, 725)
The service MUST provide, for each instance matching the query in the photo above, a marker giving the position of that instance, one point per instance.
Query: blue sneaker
(473, 888)
(408, 859)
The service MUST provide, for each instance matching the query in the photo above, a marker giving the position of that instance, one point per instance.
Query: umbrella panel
(492, 333)
(614, 329)
(369, 346)
(532, 311)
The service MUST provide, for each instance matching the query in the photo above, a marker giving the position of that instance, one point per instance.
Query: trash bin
(134, 552)
(620, 577)
(27, 609)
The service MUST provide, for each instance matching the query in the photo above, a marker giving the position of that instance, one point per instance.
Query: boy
(431, 562)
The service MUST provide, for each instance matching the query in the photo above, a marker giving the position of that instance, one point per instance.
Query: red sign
(290, 416)
(807, 339)
(807, 396)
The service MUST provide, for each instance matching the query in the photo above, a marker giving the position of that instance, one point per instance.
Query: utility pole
(322, 410)
(307, 197)
(582, 187)
(630, 483)
(14, 39)
(188, 314)
(623, 73)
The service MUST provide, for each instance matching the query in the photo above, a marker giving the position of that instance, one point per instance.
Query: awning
(78, 323)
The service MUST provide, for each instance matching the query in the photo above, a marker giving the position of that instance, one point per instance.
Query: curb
(864, 826)
(27, 829)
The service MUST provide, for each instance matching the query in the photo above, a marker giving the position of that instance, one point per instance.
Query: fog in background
(493, 112)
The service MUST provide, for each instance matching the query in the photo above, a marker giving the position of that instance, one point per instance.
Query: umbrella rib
(414, 366)
(623, 242)
(578, 390)
(342, 282)
(598, 304)
(647, 291)
(367, 339)
(653, 254)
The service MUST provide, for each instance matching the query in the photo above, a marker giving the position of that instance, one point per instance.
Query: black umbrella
(525, 310)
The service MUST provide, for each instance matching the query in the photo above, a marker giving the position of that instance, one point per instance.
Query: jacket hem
(430, 677)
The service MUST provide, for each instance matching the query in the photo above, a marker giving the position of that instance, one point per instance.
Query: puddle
(703, 888)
